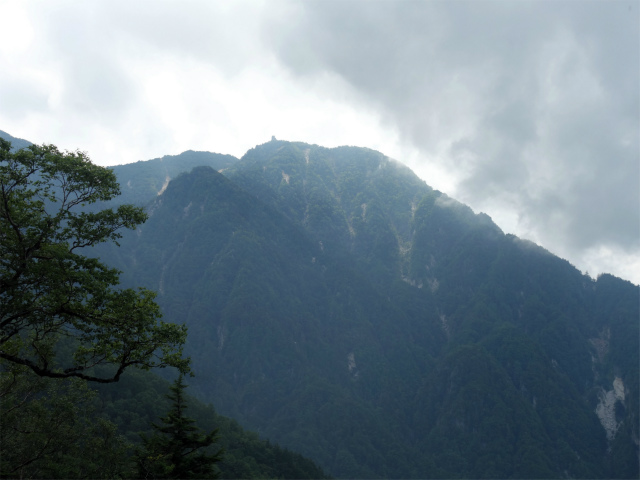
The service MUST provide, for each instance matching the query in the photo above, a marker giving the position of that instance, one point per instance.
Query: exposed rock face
(606, 409)
(167, 179)
(351, 363)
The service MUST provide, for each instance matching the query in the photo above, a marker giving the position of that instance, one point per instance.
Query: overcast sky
(528, 111)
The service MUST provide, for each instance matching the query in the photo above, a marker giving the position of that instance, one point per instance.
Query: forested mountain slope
(143, 180)
(341, 307)
(139, 399)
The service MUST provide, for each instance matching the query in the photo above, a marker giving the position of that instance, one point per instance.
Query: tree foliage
(176, 449)
(49, 429)
(60, 311)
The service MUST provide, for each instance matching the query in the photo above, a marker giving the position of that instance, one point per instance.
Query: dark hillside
(139, 399)
(272, 317)
(142, 181)
(340, 306)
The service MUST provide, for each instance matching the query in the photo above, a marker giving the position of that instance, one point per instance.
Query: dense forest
(341, 308)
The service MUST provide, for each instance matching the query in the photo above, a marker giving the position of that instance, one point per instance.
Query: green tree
(177, 448)
(60, 311)
(49, 429)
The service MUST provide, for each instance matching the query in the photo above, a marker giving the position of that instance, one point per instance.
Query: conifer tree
(177, 448)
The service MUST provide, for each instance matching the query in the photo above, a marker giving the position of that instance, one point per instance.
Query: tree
(176, 449)
(50, 429)
(61, 314)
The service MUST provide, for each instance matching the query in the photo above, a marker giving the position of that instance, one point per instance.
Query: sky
(527, 111)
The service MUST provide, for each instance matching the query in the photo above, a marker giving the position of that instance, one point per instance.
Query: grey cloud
(535, 103)
(94, 46)
(18, 96)
(220, 35)
(81, 49)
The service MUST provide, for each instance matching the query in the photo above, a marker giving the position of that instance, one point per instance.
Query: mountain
(141, 180)
(16, 143)
(341, 307)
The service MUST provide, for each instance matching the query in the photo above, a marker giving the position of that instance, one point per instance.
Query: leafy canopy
(60, 313)
(51, 429)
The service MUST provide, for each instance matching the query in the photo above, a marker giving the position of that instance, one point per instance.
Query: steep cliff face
(606, 409)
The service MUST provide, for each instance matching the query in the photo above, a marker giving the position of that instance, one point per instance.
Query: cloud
(528, 111)
(123, 80)
(533, 105)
